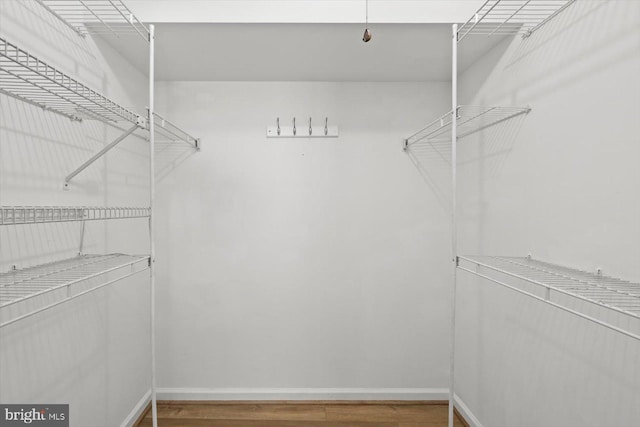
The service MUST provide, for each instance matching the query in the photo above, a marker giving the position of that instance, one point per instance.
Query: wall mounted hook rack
(323, 131)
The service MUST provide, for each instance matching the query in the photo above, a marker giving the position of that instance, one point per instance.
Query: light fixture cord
(366, 16)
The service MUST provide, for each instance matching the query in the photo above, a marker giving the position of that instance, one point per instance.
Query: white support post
(152, 252)
(454, 230)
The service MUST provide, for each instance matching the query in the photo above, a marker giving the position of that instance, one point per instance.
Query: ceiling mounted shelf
(97, 17)
(48, 285)
(470, 119)
(503, 17)
(555, 282)
(28, 78)
(15, 215)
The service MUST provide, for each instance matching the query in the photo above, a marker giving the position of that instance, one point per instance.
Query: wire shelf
(168, 132)
(26, 77)
(97, 17)
(471, 119)
(606, 292)
(13, 215)
(503, 17)
(20, 286)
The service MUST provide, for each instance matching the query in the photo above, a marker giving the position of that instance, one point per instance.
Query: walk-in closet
(320, 213)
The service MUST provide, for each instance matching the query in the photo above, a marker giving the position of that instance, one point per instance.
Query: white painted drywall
(563, 186)
(301, 264)
(92, 353)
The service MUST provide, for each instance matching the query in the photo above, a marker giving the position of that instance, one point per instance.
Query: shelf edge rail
(173, 133)
(20, 215)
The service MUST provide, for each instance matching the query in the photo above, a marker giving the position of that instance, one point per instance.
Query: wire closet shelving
(556, 283)
(30, 79)
(96, 17)
(552, 282)
(470, 119)
(169, 133)
(68, 278)
(14, 215)
(504, 17)
(26, 77)
(48, 285)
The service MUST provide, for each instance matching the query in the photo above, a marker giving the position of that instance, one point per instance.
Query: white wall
(92, 353)
(301, 264)
(561, 185)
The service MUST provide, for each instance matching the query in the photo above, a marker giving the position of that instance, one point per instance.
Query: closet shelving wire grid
(504, 17)
(34, 82)
(471, 119)
(494, 18)
(24, 76)
(30, 79)
(13, 215)
(23, 284)
(607, 292)
(97, 17)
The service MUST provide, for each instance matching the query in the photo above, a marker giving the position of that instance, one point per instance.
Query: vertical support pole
(152, 251)
(454, 225)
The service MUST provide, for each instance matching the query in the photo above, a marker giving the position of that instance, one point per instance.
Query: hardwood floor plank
(263, 411)
(300, 414)
(387, 413)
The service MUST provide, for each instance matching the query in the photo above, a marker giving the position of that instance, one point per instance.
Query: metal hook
(278, 121)
(326, 127)
(294, 126)
(310, 128)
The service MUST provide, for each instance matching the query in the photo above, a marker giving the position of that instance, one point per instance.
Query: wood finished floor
(300, 414)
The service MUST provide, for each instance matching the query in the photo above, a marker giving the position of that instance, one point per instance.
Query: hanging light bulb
(367, 34)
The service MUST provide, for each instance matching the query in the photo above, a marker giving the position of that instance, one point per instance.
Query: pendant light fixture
(367, 34)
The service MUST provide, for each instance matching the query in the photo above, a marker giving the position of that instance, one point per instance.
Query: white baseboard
(466, 413)
(137, 410)
(302, 394)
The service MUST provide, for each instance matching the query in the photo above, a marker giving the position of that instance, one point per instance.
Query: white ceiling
(304, 11)
(302, 52)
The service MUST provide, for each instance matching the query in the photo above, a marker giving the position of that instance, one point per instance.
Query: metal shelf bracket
(102, 152)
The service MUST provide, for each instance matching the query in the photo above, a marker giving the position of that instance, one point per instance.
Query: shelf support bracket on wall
(102, 152)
